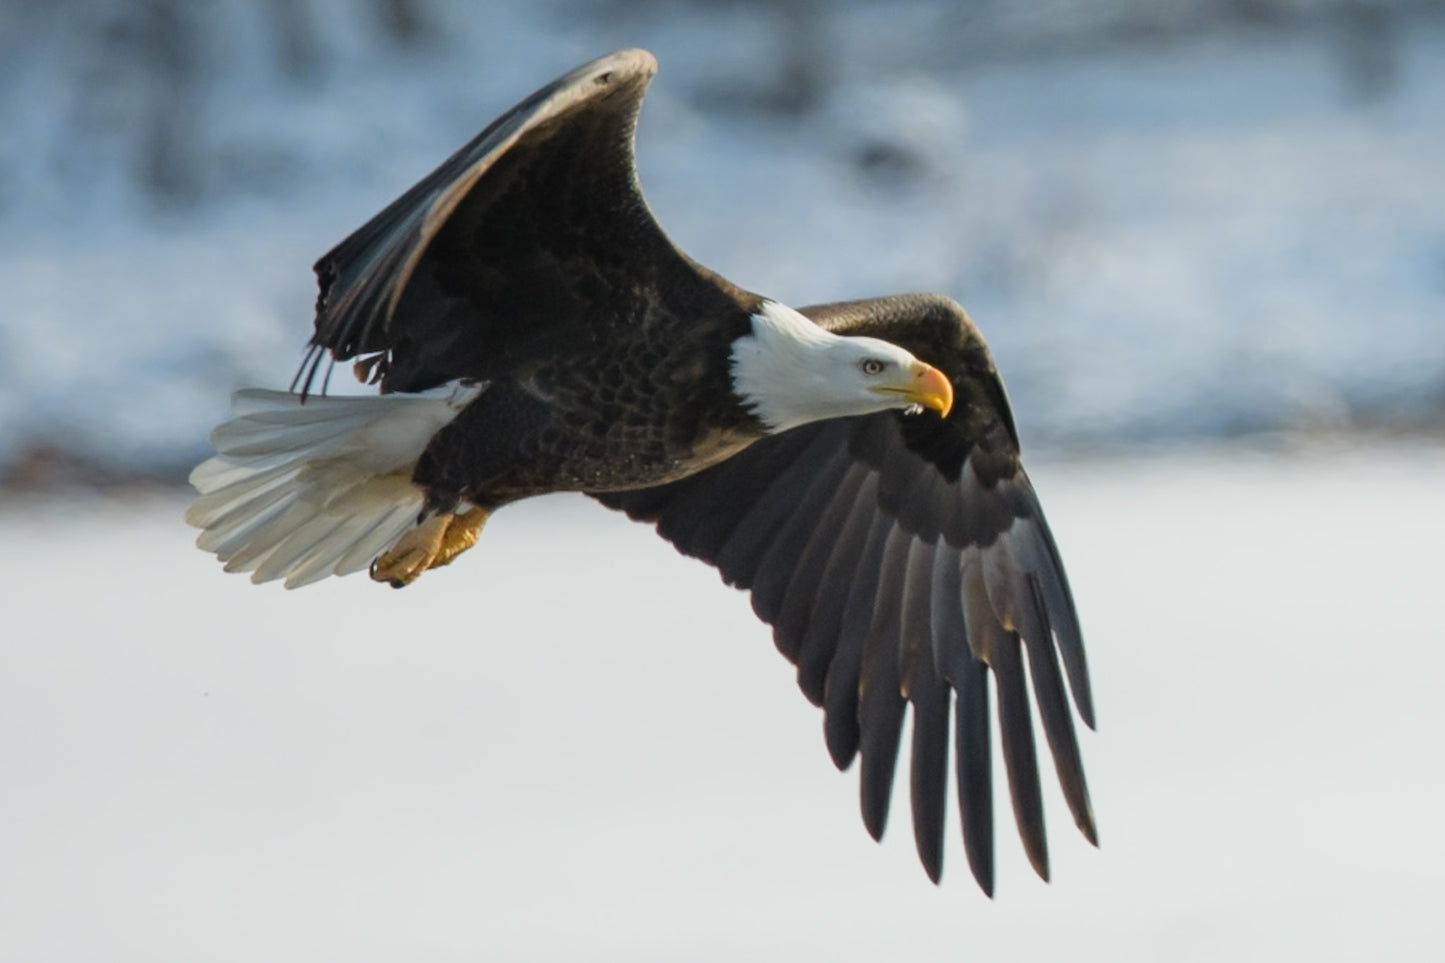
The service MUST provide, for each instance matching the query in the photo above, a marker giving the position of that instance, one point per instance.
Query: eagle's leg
(435, 542)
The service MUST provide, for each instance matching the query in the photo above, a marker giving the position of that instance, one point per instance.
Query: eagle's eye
(872, 366)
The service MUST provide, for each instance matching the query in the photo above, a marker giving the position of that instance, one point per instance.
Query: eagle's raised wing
(897, 558)
(534, 228)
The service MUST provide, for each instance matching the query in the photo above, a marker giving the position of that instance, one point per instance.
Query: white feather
(301, 491)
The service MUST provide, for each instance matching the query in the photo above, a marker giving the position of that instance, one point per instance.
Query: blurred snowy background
(1181, 219)
(1206, 239)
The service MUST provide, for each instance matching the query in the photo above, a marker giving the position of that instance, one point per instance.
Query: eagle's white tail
(302, 491)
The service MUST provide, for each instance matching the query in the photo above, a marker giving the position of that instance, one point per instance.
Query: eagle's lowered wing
(899, 558)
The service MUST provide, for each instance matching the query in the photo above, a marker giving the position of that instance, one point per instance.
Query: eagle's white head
(789, 371)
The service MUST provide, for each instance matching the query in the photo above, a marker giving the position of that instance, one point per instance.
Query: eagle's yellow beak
(931, 389)
(921, 385)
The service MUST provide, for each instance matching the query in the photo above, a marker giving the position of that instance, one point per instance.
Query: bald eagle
(853, 465)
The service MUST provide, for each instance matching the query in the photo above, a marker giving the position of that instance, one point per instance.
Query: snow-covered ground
(1215, 231)
(574, 744)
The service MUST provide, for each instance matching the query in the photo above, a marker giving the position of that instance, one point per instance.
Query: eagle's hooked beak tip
(931, 389)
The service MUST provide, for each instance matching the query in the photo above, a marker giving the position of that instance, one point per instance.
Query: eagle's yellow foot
(432, 544)
(462, 532)
(413, 553)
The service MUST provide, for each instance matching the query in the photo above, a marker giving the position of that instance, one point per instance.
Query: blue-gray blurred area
(1177, 220)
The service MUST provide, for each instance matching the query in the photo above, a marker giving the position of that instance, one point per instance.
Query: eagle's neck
(779, 369)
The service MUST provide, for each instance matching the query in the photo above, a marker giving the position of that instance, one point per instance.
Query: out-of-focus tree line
(140, 69)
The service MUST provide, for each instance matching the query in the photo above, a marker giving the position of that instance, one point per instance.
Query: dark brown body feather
(898, 558)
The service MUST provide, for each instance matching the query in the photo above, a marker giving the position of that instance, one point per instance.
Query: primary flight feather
(854, 466)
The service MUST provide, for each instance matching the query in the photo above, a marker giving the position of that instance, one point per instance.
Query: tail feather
(250, 554)
(215, 474)
(233, 493)
(262, 401)
(225, 544)
(296, 546)
(302, 491)
(243, 519)
(326, 556)
(375, 541)
(323, 437)
(258, 406)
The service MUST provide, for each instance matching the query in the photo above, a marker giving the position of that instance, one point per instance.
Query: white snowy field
(575, 744)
